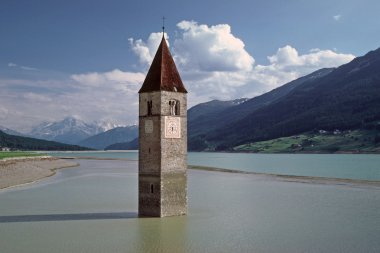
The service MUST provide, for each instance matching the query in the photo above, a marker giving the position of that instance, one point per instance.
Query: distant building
(162, 139)
(5, 149)
(322, 131)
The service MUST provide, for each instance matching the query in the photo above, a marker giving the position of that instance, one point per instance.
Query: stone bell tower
(162, 139)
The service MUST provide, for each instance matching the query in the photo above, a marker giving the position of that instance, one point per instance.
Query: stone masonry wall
(162, 161)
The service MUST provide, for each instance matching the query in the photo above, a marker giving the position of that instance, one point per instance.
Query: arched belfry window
(149, 106)
(174, 106)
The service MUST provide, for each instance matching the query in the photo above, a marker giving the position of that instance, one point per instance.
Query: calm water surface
(93, 209)
(363, 166)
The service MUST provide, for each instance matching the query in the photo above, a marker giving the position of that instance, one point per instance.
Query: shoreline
(25, 170)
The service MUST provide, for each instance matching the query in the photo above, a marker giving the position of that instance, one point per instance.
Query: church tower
(162, 139)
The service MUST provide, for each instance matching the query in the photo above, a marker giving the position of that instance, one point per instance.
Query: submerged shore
(18, 171)
(282, 177)
(293, 178)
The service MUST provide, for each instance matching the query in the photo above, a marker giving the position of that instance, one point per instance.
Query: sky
(88, 59)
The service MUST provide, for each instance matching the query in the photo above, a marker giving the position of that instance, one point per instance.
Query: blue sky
(58, 57)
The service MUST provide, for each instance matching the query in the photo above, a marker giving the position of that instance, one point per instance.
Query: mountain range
(115, 135)
(10, 131)
(96, 135)
(216, 118)
(70, 130)
(27, 143)
(344, 98)
(347, 97)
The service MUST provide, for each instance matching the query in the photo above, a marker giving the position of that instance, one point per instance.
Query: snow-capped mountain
(106, 125)
(10, 131)
(239, 101)
(70, 130)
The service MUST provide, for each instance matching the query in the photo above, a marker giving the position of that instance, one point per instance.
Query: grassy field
(358, 141)
(5, 154)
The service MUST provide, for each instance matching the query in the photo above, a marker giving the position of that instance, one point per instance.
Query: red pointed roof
(163, 74)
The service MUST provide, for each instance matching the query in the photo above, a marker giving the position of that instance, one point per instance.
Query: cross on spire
(163, 25)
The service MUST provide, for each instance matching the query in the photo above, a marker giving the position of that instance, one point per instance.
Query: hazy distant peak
(10, 131)
(108, 125)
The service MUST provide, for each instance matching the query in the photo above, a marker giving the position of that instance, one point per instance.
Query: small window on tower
(151, 188)
(177, 108)
(149, 106)
(174, 107)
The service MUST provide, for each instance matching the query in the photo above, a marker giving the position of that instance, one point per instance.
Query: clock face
(172, 127)
(148, 126)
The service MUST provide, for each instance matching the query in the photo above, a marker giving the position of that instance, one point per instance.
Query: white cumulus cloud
(288, 57)
(211, 48)
(214, 63)
(146, 50)
(210, 58)
(287, 64)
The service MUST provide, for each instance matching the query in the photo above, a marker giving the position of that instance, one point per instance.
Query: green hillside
(25, 143)
(358, 141)
(11, 154)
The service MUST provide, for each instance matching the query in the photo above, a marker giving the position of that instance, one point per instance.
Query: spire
(163, 74)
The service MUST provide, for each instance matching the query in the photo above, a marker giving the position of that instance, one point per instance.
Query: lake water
(358, 166)
(93, 208)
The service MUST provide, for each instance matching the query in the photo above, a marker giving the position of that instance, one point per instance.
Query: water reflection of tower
(162, 235)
